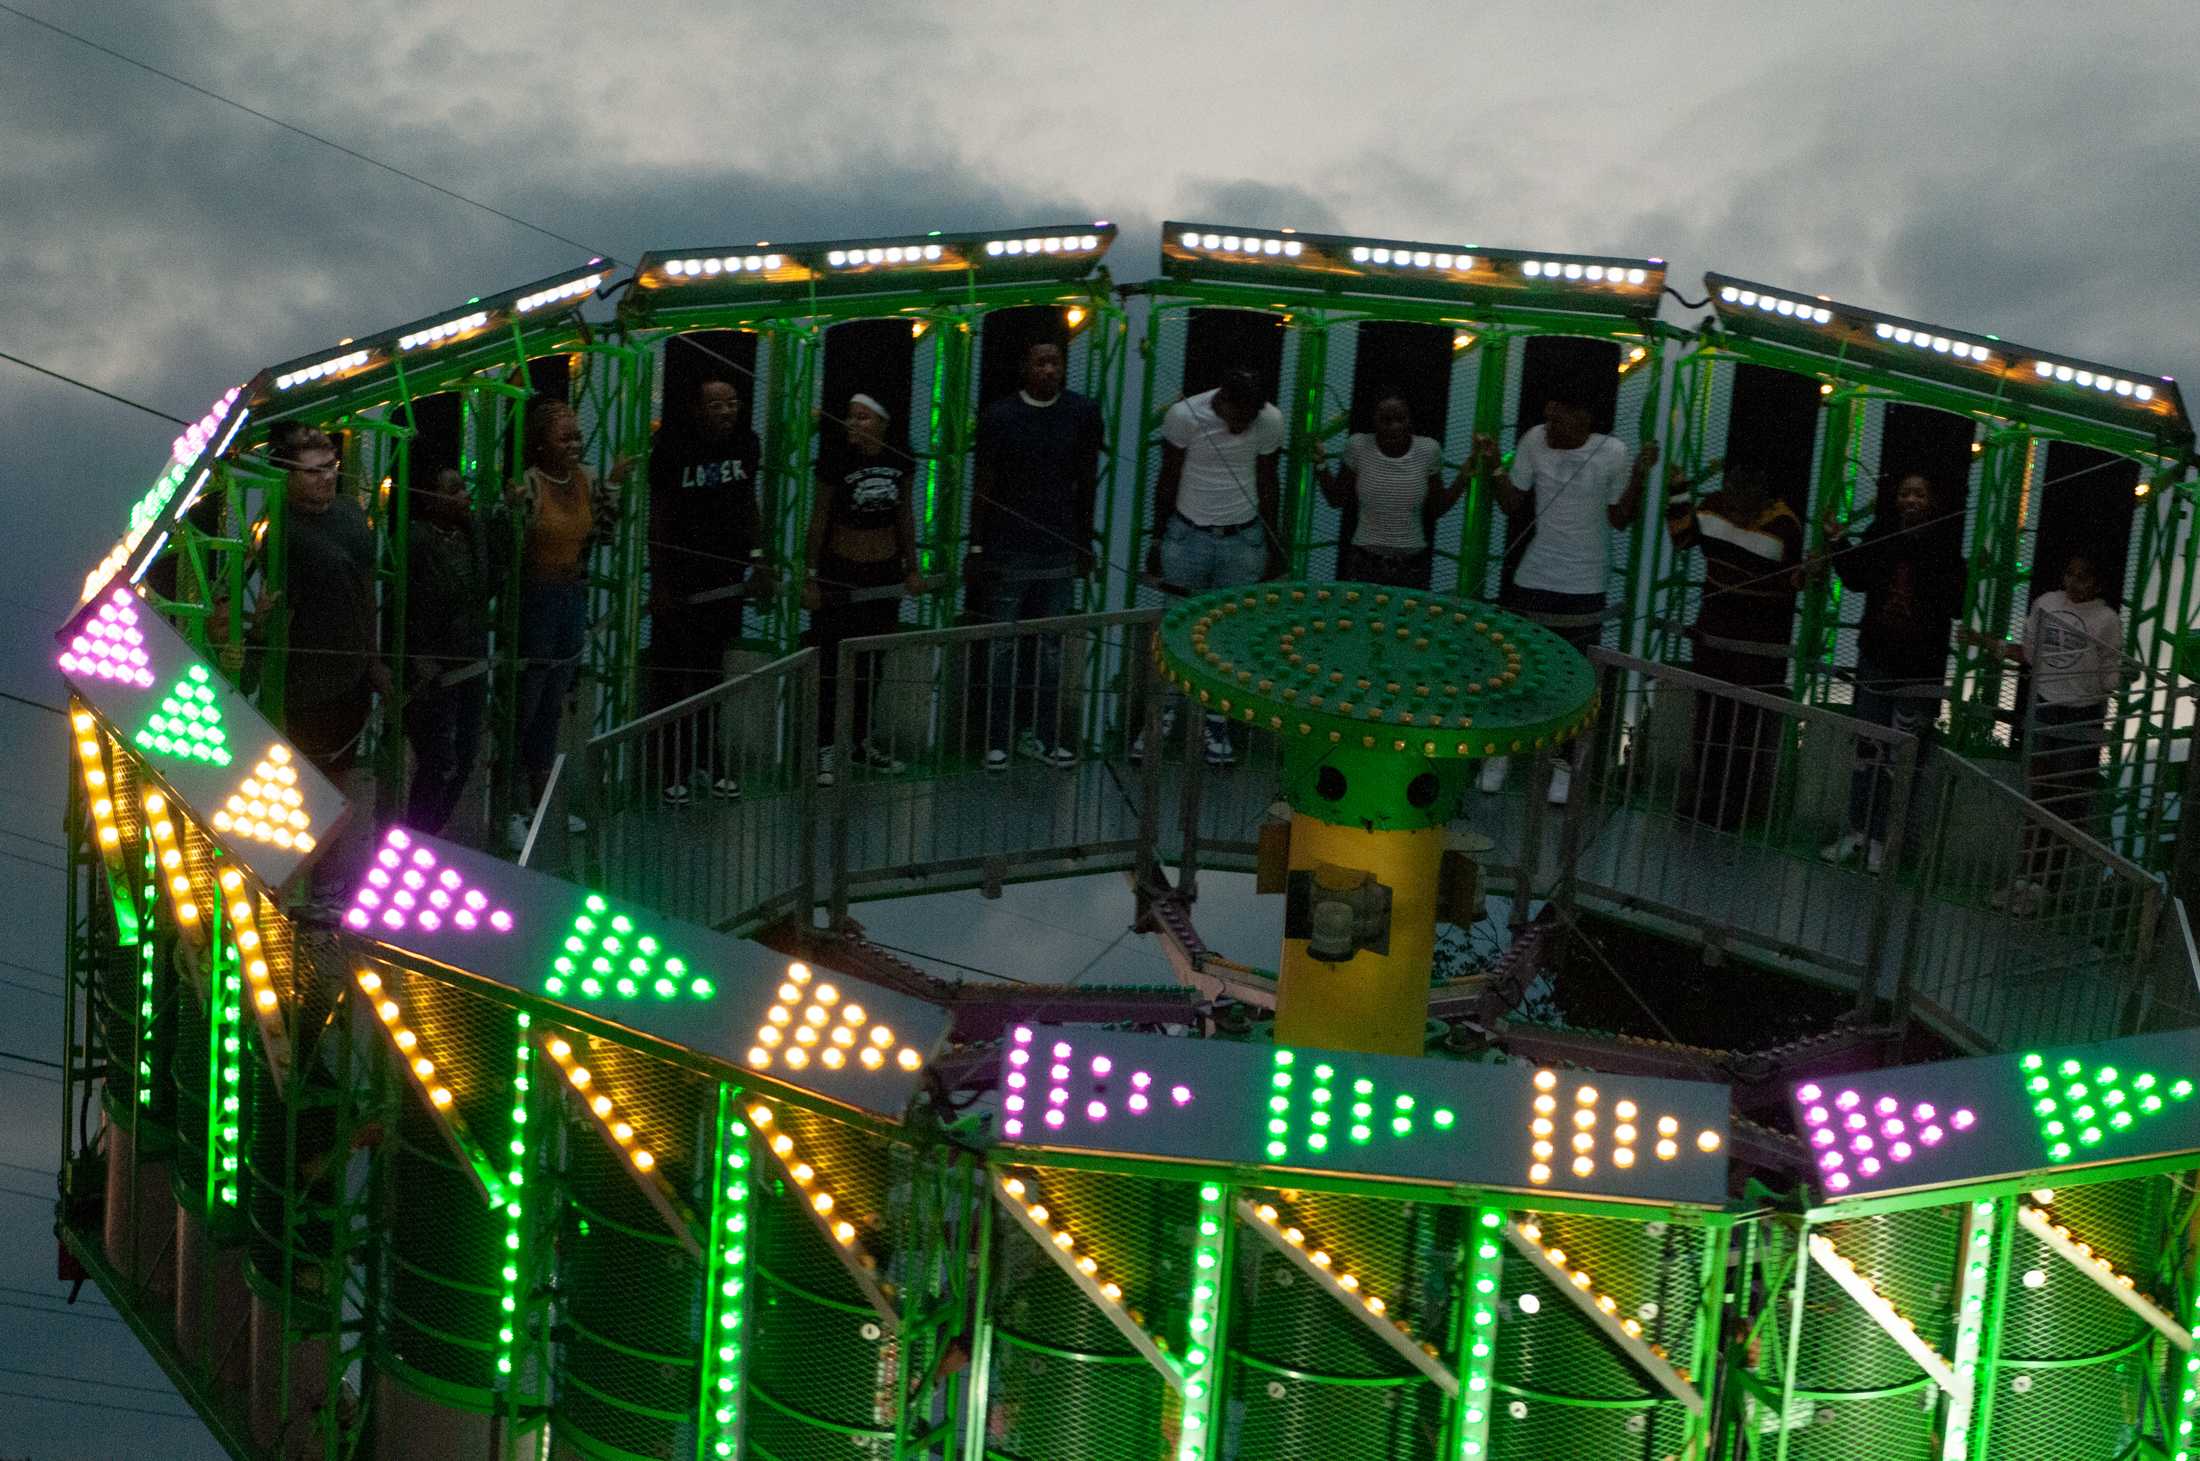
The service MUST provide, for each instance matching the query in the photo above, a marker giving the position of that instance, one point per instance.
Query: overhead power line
(81, 385)
(330, 142)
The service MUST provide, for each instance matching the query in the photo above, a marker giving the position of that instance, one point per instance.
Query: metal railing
(1052, 704)
(731, 861)
(2027, 927)
(1730, 811)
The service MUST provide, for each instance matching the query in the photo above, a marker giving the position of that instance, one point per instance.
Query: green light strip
(189, 722)
(2082, 1107)
(1202, 1398)
(146, 1030)
(603, 954)
(515, 1211)
(1971, 1288)
(718, 1433)
(1476, 1342)
(2179, 1420)
(1330, 1116)
(225, 1100)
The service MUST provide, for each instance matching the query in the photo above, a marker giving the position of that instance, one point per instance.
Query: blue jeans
(1905, 706)
(553, 625)
(1196, 560)
(1017, 592)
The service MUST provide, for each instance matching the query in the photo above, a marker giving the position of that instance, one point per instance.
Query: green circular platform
(1379, 669)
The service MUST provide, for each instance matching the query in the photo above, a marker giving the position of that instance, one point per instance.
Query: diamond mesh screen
(445, 1241)
(186, 1036)
(2073, 1366)
(822, 1366)
(632, 1314)
(1560, 1384)
(1307, 1377)
(291, 1179)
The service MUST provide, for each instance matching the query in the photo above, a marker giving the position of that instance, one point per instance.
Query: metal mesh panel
(1065, 1380)
(821, 1364)
(2073, 1365)
(1308, 1378)
(291, 1180)
(1560, 1384)
(632, 1315)
(445, 1240)
(187, 1036)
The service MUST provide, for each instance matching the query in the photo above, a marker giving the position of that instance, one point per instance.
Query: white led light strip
(1938, 344)
(1262, 245)
(322, 370)
(1578, 273)
(2118, 1286)
(448, 330)
(1898, 1329)
(529, 303)
(2102, 381)
(1072, 243)
(700, 268)
(1281, 1234)
(889, 254)
(1602, 1310)
(1809, 311)
(1418, 258)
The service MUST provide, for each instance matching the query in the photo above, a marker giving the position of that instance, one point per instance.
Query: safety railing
(706, 809)
(2028, 929)
(1741, 814)
(987, 753)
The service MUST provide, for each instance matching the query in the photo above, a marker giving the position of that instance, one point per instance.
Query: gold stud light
(1285, 1232)
(160, 822)
(1584, 1122)
(813, 1022)
(268, 806)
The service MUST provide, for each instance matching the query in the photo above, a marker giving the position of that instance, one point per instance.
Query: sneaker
(996, 760)
(825, 760)
(1842, 848)
(2021, 898)
(1562, 784)
(575, 824)
(1219, 750)
(677, 794)
(515, 831)
(1492, 778)
(870, 754)
(1061, 758)
(726, 788)
(1031, 748)
(1168, 729)
(1875, 857)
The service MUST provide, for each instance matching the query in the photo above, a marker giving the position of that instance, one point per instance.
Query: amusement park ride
(634, 1155)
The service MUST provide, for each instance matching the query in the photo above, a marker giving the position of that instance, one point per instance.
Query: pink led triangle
(404, 888)
(1851, 1133)
(109, 644)
(1027, 1064)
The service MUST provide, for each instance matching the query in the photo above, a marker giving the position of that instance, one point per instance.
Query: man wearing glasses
(331, 671)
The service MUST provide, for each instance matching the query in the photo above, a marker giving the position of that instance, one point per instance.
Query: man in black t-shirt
(1031, 538)
(703, 542)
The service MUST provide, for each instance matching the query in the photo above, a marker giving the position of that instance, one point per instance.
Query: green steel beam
(1474, 1336)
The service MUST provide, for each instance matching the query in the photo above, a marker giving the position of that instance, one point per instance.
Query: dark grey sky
(2024, 167)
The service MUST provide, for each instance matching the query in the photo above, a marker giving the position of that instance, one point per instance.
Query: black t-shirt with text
(702, 505)
(865, 492)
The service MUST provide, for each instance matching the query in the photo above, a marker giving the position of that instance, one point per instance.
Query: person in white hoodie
(2073, 643)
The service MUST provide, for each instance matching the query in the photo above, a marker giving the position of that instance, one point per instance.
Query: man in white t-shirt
(1580, 487)
(1217, 518)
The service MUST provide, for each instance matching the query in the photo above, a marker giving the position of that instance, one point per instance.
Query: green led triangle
(605, 956)
(188, 724)
(2079, 1105)
(1312, 1106)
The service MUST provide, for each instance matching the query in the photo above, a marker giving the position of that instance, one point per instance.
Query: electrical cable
(351, 152)
(30, 988)
(79, 1380)
(34, 704)
(100, 1405)
(30, 1059)
(86, 385)
(32, 861)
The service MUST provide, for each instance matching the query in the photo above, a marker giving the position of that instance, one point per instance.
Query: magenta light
(1013, 1130)
(1015, 1103)
(1898, 1139)
(1059, 1096)
(1816, 1116)
(1846, 1100)
(1900, 1151)
(1015, 1080)
(1838, 1182)
(1861, 1144)
(1061, 1050)
(409, 899)
(1830, 1161)
(1886, 1105)
(1892, 1126)
(1869, 1166)
(1137, 1103)
(1807, 1093)
(1141, 1080)
(1019, 1057)
(1962, 1120)
(1055, 1117)
(1058, 1072)
(1924, 1111)
(1101, 1065)
(110, 648)
(1182, 1095)
(1096, 1111)
(1023, 1034)
(1857, 1121)
(1823, 1136)
(1930, 1136)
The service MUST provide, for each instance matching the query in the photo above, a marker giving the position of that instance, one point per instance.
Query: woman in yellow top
(564, 511)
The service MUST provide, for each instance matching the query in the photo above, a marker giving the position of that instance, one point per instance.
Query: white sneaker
(574, 825)
(1168, 729)
(1031, 748)
(726, 788)
(515, 831)
(996, 760)
(1562, 783)
(879, 759)
(677, 794)
(1219, 750)
(825, 761)
(1492, 779)
(1875, 857)
(1842, 848)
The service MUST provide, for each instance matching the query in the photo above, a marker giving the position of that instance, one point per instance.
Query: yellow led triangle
(268, 807)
